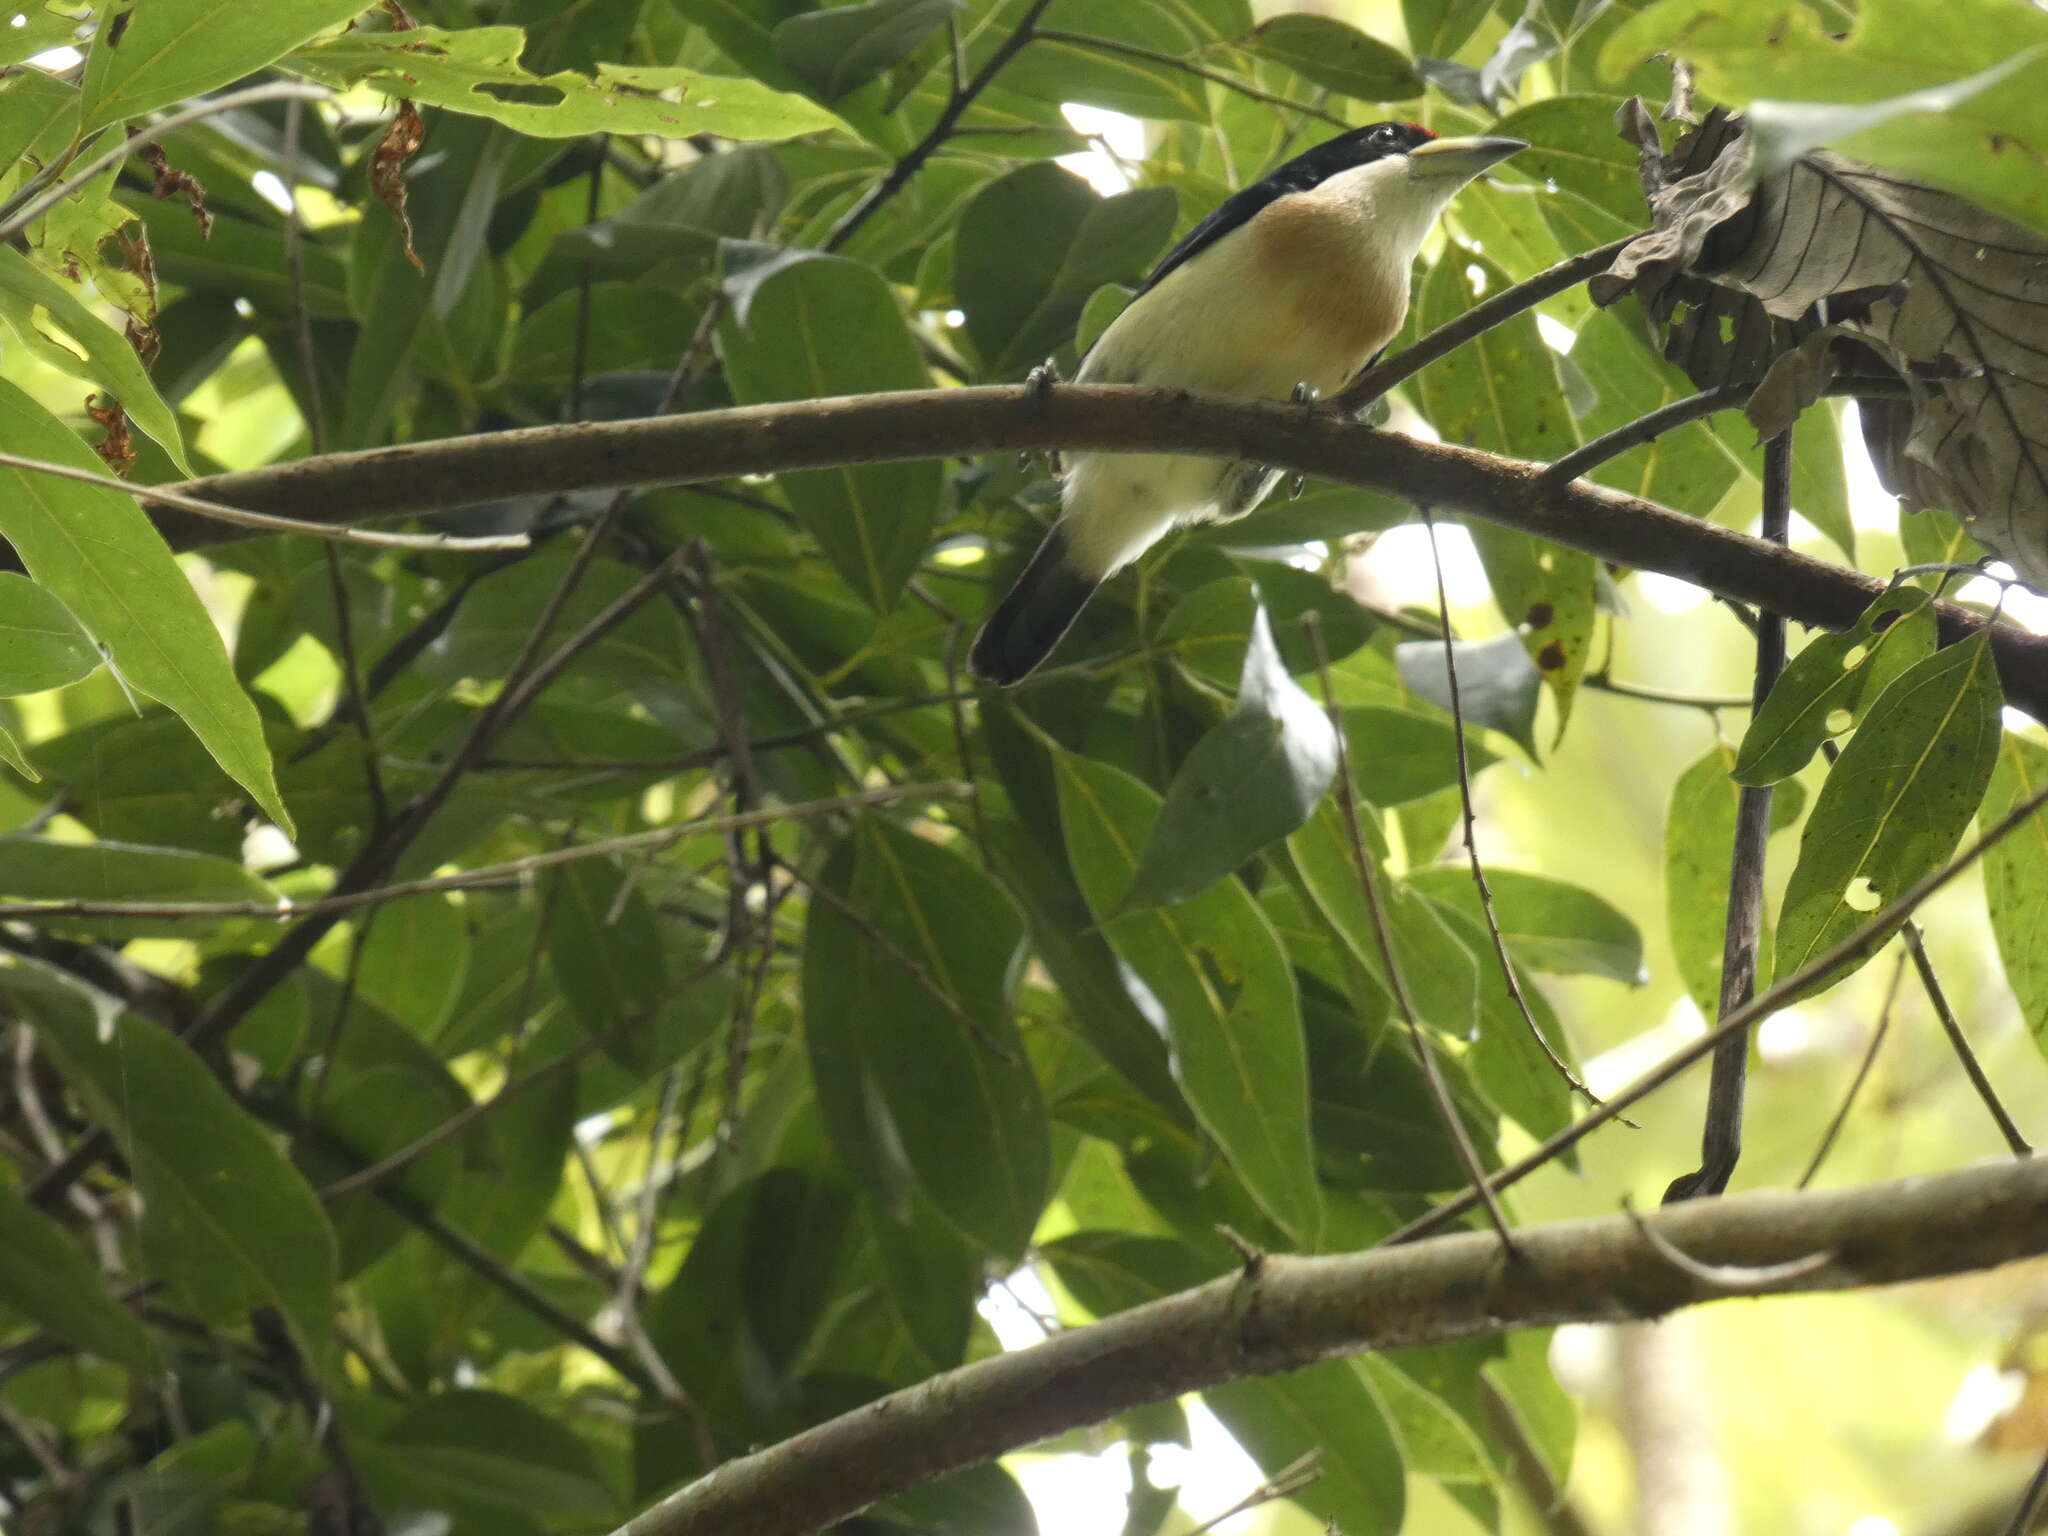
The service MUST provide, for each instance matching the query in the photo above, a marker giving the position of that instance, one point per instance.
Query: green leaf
(1498, 686)
(1336, 56)
(604, 948)
(45, 869)
(1440, 972)
(415, 957)
(1439, 28)
(1699, 843)
(109, 361)
(1948, 94)
(833, 51)
(2016, 879)
(1896, 802)
(1548, 924)
(1329, 1408)
(928, 1062)
(821, 326)
(1220, 988)
(168, 50)
(99, 555)
(1402, 755)
(41, 645)
(1820, 693)
(46, 1277)
(1502, 393)
(1035, 244)
(1689, 467)
(227, 1222)
(476, 70)
(1249, 782)
(486, 1455)
(1211, 627)
(1573, 146)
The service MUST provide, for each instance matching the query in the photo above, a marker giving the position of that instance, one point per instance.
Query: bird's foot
(1304, 393)
(1039, 382)
(1294, 487)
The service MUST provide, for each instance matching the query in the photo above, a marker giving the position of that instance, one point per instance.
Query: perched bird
(1288, 289)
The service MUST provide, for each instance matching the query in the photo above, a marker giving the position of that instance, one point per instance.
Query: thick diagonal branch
(1293, 1311)
(916, 424)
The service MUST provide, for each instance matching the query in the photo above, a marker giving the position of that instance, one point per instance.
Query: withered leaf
(1864, 272)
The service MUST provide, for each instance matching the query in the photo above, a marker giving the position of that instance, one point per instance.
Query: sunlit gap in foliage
(1118, 140)
(1085, 1495)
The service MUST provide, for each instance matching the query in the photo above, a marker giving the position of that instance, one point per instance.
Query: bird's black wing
(1234, 210)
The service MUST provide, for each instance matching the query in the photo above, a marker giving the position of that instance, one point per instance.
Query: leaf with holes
(477, 70)
(1819, 694)
(1897, 800)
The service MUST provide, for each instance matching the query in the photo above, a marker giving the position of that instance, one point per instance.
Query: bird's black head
(1359, 146)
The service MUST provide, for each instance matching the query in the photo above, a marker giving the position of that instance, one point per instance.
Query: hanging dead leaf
(131, 240)
(171, 182)
(117, 448)
(1833, 265)
(400, 143)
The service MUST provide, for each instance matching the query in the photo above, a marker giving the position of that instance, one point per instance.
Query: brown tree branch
(1295, 1311)
(865, 429)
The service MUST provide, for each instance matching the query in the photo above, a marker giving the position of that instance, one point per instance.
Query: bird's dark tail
(1030, 619)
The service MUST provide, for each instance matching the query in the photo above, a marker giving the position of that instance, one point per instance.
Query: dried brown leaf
(1865, 272)
(400, 143)
(171, 182)
(117, 448)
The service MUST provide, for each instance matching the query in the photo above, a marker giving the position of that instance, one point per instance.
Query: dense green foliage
(710, 1137)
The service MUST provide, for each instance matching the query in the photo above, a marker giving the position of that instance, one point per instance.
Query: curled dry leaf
(400, 143)
(1833, 266)
(117, 448)
(171, 182)
(132, 240)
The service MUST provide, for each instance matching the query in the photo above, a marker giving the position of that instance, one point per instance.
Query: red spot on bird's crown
(1420, 129)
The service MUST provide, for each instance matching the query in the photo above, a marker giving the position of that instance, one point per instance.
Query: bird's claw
(1304, 393)
(1039, 381)
(1294, 487)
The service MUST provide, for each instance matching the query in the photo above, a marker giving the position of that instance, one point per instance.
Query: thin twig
(1952, 1027)
(1397, 981)
(2030, 1503)
(509, 872)
(1500, 947)
(14, 221)
(1850, 948)
(295, 279)
(942, 128)
(1884, 1024)
(1298, 1474)
(358, 1515)
(1737, 1279)
(1652, 424)
(266, 522)
(354, 702)
(1483, 316)
(1721, 1135)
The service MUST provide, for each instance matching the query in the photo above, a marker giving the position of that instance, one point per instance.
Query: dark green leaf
(46, 1277)
(1219, 987)
(1211, 627)
(1401, 755)
(1548, 924)
(483, 1455)
(1034, 245)
(1896, 802)
(822, 326)
(918, 1064)
(1249, 782)
(1336, 56)
(835, 50)
(1498, 687)
(227, 1222)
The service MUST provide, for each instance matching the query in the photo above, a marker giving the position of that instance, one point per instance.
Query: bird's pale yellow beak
(1462, 158)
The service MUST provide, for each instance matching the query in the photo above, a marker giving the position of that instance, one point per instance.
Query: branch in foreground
(1291, 1312)
(938, 423)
